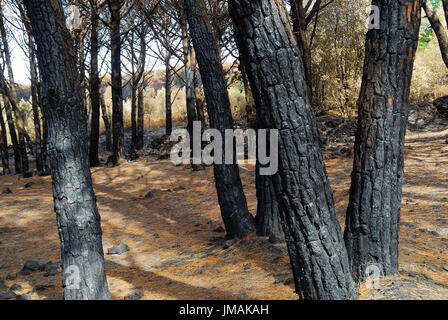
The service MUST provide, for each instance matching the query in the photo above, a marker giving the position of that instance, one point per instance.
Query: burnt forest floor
(175, 234)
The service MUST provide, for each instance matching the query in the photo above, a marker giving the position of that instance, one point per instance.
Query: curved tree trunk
(77, 215)
(373, 214)
(274, 66)
(439, 29)
(237, 219)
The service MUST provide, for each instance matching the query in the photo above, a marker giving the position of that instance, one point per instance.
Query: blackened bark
(237, 219)
(312, 232)
(94, 89)
(77, 215)
(117, 90)
(373, 214)
(4, 145)
(137, 88)
(267, 220)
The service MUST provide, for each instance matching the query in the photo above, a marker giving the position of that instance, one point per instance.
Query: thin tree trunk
(237, 219)
(168, 90)
(4, 145)
(300, 30)
(77, 215)
(117, 90)
(94, 90)
(274, 66)
(373, 214)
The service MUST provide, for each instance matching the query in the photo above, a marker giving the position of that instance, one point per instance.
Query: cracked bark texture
(276, 73)
(77, 215)
(232, 201)
(373, 214)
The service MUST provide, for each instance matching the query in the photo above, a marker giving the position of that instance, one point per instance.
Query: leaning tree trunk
(439, 30)
(77, 215)
(373, 214)
(94, 90)
(237, 219)
(274, 66)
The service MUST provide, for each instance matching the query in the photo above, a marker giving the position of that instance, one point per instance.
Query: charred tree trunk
(4, 145)
(137, 88)
(94, 90)
(267, 220)
(168, 89)
(77, 215)
(141, 117)
(117, 90)
(237, 219)
(300, 29)
(13, 135)
(373, 214)
(274, 66)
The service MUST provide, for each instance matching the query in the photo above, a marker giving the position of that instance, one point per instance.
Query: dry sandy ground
(175, 252)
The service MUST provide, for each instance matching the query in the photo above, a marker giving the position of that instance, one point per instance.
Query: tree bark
(274, 66)
(237, 219)
(117, 90)
(438, 28)
(94, 89)
(77, 215)
(4, 145)
(141, 117)
(373, 214)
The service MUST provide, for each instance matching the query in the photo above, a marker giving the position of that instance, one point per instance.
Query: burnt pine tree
(77, 215)
(95, 83)
(232, 201)
(313, 235)
(117, 89)
(373, 214)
